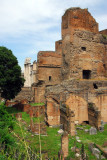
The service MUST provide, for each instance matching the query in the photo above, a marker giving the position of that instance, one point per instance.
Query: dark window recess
(104, 66)
(95, 86)
(86, 74)
(83, 48)
(85, 122)
(75, 17)
(50, 78)
(60, 42)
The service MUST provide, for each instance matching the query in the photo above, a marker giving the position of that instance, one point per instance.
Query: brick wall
(36, 111)
(64, 144)
(53, 112)
(94, 115)
(86, 52)
(101, 103)
(77, 18)
(58, 47)
(39, 92)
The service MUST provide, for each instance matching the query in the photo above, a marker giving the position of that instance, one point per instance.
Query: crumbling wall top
(77, 18)
(72, 8)
(48, 54)
(49, 58)
(104, 32)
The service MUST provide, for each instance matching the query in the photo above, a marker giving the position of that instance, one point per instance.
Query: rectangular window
(49, 78)
(86, 74)
(83, 48)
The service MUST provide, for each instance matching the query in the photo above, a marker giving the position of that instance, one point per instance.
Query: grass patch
(99, 138)
(38, 119)
(50, 144)
(37, 104)
(86, 138)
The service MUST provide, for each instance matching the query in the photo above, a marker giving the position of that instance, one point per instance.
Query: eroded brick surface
(94, 116)
(53, 112)
(64, 144)
(37, 111)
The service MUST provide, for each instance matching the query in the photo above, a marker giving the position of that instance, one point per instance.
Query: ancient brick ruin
(73, 76)
(48, 72)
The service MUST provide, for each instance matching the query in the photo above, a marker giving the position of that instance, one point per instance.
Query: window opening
(86, 74)
(83, 48)
(95, 86)
(50, 78)
(104, 66)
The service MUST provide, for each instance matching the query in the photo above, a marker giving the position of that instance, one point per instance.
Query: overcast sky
(29, 26)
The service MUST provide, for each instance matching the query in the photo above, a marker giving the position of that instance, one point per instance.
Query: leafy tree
(10, 74)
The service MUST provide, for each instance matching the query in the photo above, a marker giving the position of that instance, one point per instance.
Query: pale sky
(29, 26)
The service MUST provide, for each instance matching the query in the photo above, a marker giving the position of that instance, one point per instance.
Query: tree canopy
(11, 81)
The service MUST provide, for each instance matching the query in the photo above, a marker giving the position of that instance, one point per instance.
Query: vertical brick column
(72, 123)
(64, 144)
(53, 112)
(31, 113)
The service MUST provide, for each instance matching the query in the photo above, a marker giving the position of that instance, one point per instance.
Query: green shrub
(6, 125)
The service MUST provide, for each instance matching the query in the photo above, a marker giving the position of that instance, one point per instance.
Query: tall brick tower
(83, 50)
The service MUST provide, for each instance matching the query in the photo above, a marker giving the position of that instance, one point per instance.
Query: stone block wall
(85, 57)
(67, 118)
(94, 115)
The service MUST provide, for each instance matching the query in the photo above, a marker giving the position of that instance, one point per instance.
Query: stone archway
(79, 106)
(101, 104)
